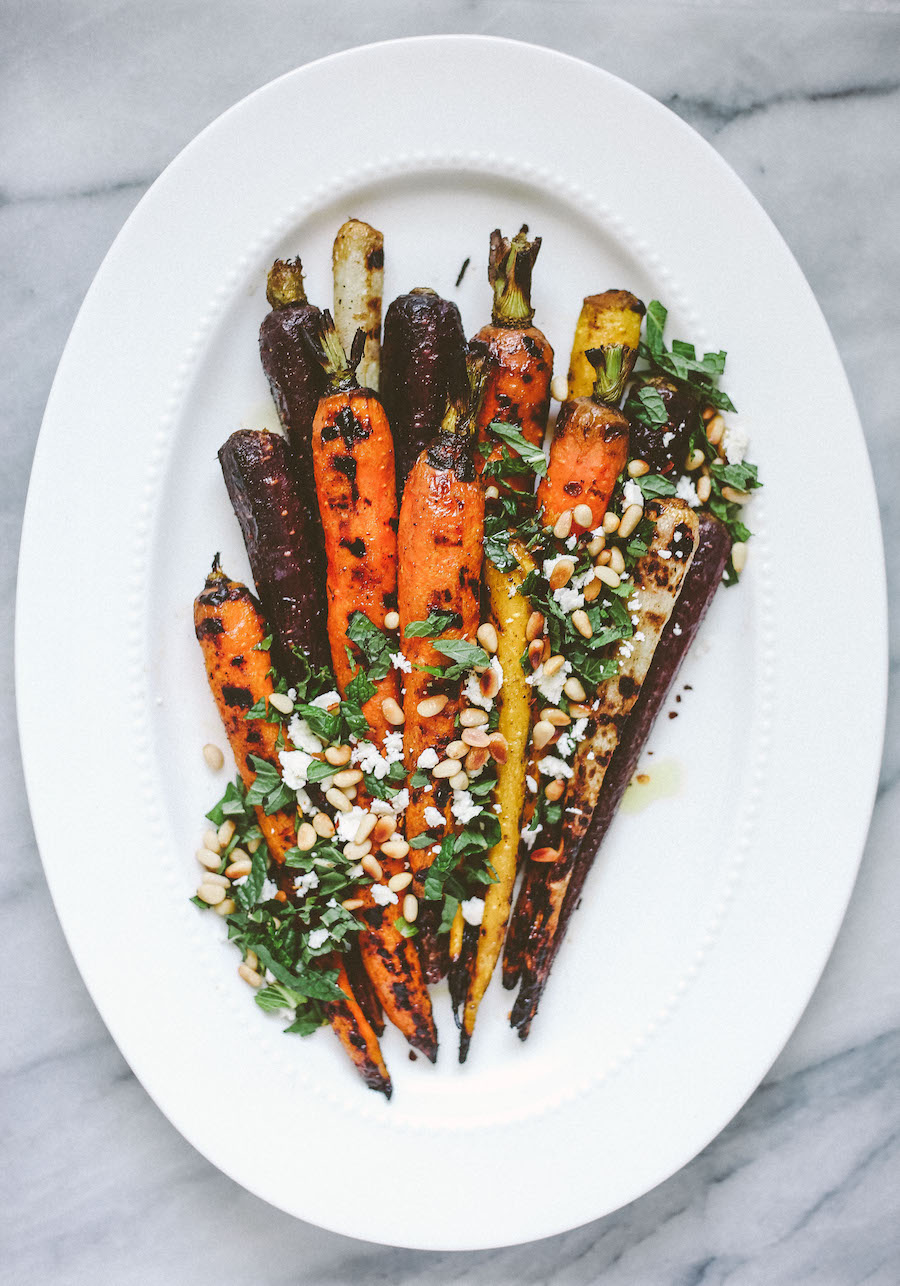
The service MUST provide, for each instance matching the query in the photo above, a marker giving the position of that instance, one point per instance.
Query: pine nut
(562, 573)
(596, 545)
(281, 702)
(608, 576)
(535, 653)
(578, 710)
(238, 855)
(542, 734)
(431, 706)
(489, 683)
(707, 413)
(250, 975)
(323, 825)
(211, 840)
(472, 737)
(545, 855)
(225, 833)
(447, 768)
(214, 757)
(562, 528)
(306, 837)
(574, 689)
(365, 828)
(392, 621)
(476, 759)
(637, 468)
(350, 791)
(213, 877)
(337, 799)
(226, 907)
(602, 559)
(460, 781)
(355, 852)
(592, 591)
(395, 849)
(392, 711)
(616, 560)
(555, 789)
(472, 717)
(352, 904)
(491, 493)
(630, 519)
(736, 497)
(498, 748)
(714, 430)
(253, 845)
(206, 857)
(402, 880)
(559, 388)
(456, 750)
(410, 908)
(487, 637)
(584, 516)
(550, 714)
(384, 828)
(704, 489)
(694, 460)
(535, 626)
(237, 869)
(211, 893)
(739, 556)
(337, 756)
(349, 777)
(251, 959)
(371, 865)
(610, 523)
(553, 665)
(582, 623)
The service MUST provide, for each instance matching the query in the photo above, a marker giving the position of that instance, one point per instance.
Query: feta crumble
(368, 757)
(428, 758)
(433, 816)
(303, 737)
(294, 767)
(531, 784)
(400, 662)
(686, 491)
(550, 766)
(464, 807)
(551, 688)
(734, 443)
(348, 823)
(317, 938)
(472, 910)
(528, 836)
(268, 890)
(393, 747)
(383, 895)
(472, 691)
(325, 699)
(632, 494)
(303, 883)
(568, 598)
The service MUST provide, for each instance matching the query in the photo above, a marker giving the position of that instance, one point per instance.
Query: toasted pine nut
(306, 837)
(392, 620)
(206, 857)
(213, 877)
(694, 460)
(535, 626)
(489, 683)
(214, 757)
(637, 468)
(584, 516)
(553, 665)
(535, 653)
(491, 493)
(559, 388)
(498, 748)
(457, 749)
(352, 904)
(431, 706)
(542, 734)
(355, 852)
(460, 781)
(574, 689)
(736, 497)
(562, 573)
(555, 789)
(487, 637)
(392, 711)
(616, 560)
(714, 430)
(337, 756)
(211, 893)
(250, 975)
(578, 710)
(447, 768)
(708, 413)
(226, 907)
(596, 545)
(550, 714)
(385, 826)
(365, 828)
(592, 590)
(562, 528)
(739, 556)
(323, 825)
(402, 880)
(211, 840)
(476, 759)
(472, 717)
(395, 849)
(410, 908)
(251, 959)
(349, 777)
(371, 865)
(337, 799)
(582, 623)
(472, 737)
(608, 576)
(225, 832)
(610, 522)
(630, 519)
(242, 867)
(281, 702)
(253, 845)
(545, 855)
(704, 489)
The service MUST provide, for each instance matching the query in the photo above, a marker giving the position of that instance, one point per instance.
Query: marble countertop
(803, 99)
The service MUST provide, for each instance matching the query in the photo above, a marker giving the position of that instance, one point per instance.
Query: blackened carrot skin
(296, 379)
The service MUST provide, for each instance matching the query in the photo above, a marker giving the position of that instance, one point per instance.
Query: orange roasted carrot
(229, 627)
(440, 546)
(519, 359)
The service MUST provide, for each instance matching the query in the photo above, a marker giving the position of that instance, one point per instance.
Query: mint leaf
(466, 655)
(653, 485)
(532, 455)
(434, 624)
(374, 645)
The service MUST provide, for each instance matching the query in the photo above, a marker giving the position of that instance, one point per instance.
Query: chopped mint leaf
(434, 624)
(372, 642)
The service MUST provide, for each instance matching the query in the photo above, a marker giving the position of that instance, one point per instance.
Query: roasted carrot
(229, 626)
(613, 317)
(295, 377)
(440, 547)
(518, 358)
(357, 260)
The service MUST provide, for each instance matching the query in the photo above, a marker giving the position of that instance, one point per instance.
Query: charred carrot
(295, 378)
(613, 317)
(357, 260)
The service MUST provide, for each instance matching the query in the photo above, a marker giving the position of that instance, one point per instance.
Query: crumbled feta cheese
(676, 630)
(325, 700)
(571, 542)
(531, 784)
(303, 737)
(464, 807)
(399, 662)
(428, 758)
(294, 767)
(472, 910)
(368, 757)
(568, 598)
(639, 636)
(305, 804)
(665, 553)
(433, 816)
(550, 766)
(734, 443)
(576, 812)
(472, 691)
(550, 688)
(579, 728)
(393, 747)
(400, 801)
(565, 744)
(317, 938)
(348, 823)
(549, 563)
(303, 883)
(355, 871)
(268, 890)
(685, 490)
(632, 494)
(634, 602)
(528, 836)
(292, 694)
(583, 578)
(383, 895)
